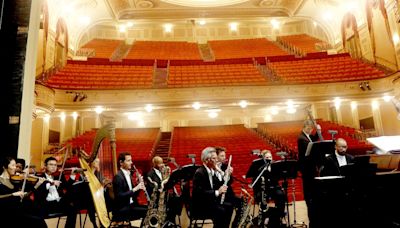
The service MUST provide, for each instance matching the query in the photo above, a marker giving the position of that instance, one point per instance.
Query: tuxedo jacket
(203, 194)
(331, 165)
(154, 177)
(122, 193)
(42, 192)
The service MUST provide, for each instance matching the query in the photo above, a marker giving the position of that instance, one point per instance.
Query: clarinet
(226, 178)
(140, 178)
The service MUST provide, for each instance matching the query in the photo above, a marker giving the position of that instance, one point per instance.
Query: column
(376, 114)
(354, 114)
(62, 128)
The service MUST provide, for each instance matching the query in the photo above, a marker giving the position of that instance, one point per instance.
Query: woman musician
(12, 210)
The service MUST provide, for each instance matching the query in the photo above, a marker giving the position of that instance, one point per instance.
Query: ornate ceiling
(174, 9)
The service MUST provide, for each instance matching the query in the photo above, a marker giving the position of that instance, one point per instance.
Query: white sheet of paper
(386, 143)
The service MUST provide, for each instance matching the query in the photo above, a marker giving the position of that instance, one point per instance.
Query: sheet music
(310, 145)
(386, 143)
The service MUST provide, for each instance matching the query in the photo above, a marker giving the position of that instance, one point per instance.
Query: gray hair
(308, 123)
(206, 153)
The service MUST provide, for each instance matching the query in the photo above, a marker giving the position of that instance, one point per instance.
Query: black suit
(154, 177)
(205, 203)
(308, 170)
(65, 205)
(331, 165)
(123, 209)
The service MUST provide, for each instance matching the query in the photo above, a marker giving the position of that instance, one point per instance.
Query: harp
(104, 140)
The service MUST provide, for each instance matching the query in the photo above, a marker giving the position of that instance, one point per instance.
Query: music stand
(317, 151)
(183, 173)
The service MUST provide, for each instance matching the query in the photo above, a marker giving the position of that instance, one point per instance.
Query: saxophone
(245, 215)
(157, 214)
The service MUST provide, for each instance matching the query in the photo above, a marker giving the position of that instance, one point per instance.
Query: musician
(154, 176)
(126, 204)
(95, 168)
(307, 167)
(273, 189)
(333, 162)
(230, 197)
(12, 210)
(207, 191)
(50, 196)
(20, 166)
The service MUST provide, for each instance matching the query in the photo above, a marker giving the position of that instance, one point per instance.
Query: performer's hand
(138, 187)
(57, 183)
(222, 189)
(19, 193)
(318, 127)
(231, 170)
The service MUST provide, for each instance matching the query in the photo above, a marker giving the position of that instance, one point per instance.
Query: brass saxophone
(157, 214)
(245, 216)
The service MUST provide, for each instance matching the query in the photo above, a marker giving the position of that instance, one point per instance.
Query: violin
(18, 179)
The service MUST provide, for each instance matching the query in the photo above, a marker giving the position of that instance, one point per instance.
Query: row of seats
(80, 76)
(332, 69)
(284, 135)
(103, 48)
(164, 50)
(300, 44)
(244, 48)
(214, 75)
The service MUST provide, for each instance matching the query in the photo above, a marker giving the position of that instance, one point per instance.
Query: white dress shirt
(158, 172)
(341, 159)
(308, 136)
(53, 193)
(128, 179)
(211, 173)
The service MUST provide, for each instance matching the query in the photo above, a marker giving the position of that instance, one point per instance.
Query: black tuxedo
(205, 203)
(154, 177)
(308, 169)
(122, 208)
(331, 165)
(65, 205)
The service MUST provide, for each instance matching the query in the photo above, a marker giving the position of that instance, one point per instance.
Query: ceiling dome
(204, 3)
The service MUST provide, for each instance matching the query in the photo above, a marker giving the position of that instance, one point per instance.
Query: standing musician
(230, 195)
(207, 191)
(12, 210)
(307, 167)
(50, 196)
(126, 205)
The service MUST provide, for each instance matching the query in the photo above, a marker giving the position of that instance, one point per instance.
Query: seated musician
(20, 166)
(272, 188)
(154, 176)
(222, 165)
(126, 205)
(207, 191)
(52, 195)
(332, 163)
(95, 167)
(12, 210)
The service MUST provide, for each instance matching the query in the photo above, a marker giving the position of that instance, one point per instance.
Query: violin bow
(25, 177)
(63, 164)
